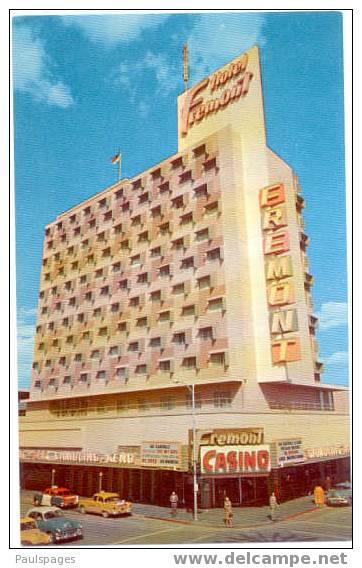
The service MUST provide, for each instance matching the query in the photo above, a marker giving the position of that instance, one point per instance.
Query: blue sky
(86, 85)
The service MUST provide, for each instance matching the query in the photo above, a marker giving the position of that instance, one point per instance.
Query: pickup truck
(105, 504)
(56, 497)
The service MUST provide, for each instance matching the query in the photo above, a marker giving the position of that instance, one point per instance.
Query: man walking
(173, 503)
(273, 504)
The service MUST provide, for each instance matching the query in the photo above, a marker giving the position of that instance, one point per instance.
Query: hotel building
(194, 272)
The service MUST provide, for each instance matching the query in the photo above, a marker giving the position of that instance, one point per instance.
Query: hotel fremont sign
(223, 88)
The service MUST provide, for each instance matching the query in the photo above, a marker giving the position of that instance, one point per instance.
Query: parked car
(56, 497)
(105, 504)
(344, 489)
(30, 534)
(339, 496)
(52, 521)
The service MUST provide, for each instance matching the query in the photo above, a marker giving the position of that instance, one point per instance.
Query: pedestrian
(228, 512)
(173, 503)
(319, 496)
(273, 504)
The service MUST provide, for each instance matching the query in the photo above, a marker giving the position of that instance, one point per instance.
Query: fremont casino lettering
(235, 459)
(279, 273)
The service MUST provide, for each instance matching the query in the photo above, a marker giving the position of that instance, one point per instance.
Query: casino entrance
(243, 491)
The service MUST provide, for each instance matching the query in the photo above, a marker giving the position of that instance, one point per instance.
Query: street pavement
(298, 521)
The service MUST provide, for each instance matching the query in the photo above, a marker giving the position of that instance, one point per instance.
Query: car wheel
(36, 502)
(81, 509)
(105, 514)
(25, 543)
(52, 538)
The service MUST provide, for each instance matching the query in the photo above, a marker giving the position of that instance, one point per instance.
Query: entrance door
(227, 488)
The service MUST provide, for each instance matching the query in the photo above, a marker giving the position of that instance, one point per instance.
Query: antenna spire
(185, 54)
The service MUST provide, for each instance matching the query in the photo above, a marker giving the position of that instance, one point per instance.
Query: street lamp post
(100, 480)
(194, 458)
(53, 477)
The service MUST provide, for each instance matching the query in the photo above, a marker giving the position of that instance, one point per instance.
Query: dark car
(52, 521)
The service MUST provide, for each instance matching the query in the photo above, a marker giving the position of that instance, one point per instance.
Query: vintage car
(340, 495)
(52, 521)
(105, 504)
(31, 535)
(56, 497)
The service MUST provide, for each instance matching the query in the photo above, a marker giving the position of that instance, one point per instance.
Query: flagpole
(119, 165)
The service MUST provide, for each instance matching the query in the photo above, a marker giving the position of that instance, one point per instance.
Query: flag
(116, 158)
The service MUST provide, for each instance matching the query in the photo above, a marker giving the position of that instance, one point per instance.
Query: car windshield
(52, 514)
(27, 526)
(113, 499)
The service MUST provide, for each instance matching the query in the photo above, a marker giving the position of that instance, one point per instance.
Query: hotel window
(37, 384)
(186, 219)
(217, 359)
(185, 176)
(101, 374)
(214, 254)
(215, 304)
(199, 151)
(108, 216)
(164, 365)
(118, 229)
(164, 316)
(55, 343)
(68, 285)
(212, 208)
(78, 357)
(179, 338)
(155, 252)
(125, 245)
(41, 346)
(119, 193)
(133, 346)
(67, 380)
(41, 294)
(85, 335)
(206, 333)
(53, 382)
(163, 187)
(122, 372)
(65, 322)
(44, 310)
(115, 307)
(136, 221)
(104, 291)
(72, 301)
(178, 244)
(62, 361)
(164, 271)
(83, 377)
(141, 369)
(99, 273)
(97, 312)
(137, 184)
(125, 206)
(222, 399)
(58, 306)
(156, 174)
(90, 258)
(51, 325)
(143, 237)
(102, 203)
(204, 282)
(210, 164)
(134, 302)
(178, 288)
(50, 244)
(92, 223)
(54, 290)
(178, 202)
(47, 232)
(189, 363)
(45, 262)
(72, 219)
(123, 284)
(123, 326)
(106, 252)
(48, 363)
(80, 317)
(201, 190)
(47, 276)
(164, 228)
(70, 339)
(142, 278)
(114, 350)
(167, 403)
(155, 342)
(74, 265)
(102, 331)
(101, 236)
(143, 198)
(136, 260)
(116, 267)
(188, 263)
(177, 163)
(142, 322)
(76, 231)
(198, 403)
(156, 211)
(188, 310)
(85, 243)
(87, 211)
(57, 256)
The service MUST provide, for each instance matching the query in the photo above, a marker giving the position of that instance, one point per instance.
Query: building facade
(194, 272)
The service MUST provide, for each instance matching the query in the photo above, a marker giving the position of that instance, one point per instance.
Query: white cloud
(333, 314)
(31, 69)
(217, 38)
(337, 358)
(25, 344)
(111, 29)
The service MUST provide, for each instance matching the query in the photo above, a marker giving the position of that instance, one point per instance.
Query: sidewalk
(243, 516)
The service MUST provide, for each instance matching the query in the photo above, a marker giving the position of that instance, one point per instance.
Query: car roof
(57, 488)
(26, 520)
(105, 494)
(43, 509)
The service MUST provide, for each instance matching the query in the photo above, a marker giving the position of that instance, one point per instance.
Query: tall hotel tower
(194, 272)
